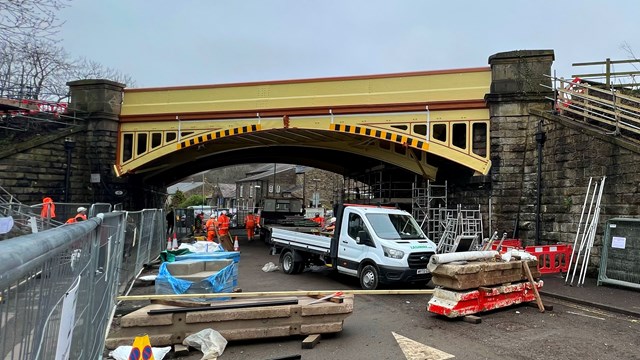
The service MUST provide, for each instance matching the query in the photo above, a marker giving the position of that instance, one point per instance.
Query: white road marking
(414, 350)
(585, 315)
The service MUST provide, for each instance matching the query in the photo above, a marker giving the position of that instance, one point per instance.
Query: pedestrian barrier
(620, 257)
(551, 258)
(58, 287)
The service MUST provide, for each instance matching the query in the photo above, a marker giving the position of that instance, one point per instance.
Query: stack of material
(472, 287)
(176, 323)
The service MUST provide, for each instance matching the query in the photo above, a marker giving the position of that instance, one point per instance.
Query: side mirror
(362, 237)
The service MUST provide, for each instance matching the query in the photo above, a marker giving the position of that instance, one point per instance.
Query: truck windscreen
(395, 227)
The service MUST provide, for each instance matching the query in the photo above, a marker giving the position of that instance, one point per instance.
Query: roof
(267, 172)
(183, 186)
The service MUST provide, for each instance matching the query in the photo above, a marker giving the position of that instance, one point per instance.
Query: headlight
(392, 253)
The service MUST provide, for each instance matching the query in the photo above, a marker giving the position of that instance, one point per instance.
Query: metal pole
(540, 139)
(584, 206)
(69, 144)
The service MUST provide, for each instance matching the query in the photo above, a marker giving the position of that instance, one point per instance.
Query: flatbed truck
(379, 245)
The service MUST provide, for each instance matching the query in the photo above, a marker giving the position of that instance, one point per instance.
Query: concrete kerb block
(186, 267)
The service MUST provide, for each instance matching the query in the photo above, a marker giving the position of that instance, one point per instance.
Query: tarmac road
(568, 332)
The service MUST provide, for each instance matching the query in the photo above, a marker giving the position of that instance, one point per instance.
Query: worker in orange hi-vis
(223, 231)
(250, 225)
(211, 227)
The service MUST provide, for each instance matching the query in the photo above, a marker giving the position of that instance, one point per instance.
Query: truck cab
(381, 245)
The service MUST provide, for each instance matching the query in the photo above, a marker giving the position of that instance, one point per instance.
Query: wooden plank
(310, 341)
(533, 286)
(275, 294)
(535, 305)
(180, 350)
(472, 319)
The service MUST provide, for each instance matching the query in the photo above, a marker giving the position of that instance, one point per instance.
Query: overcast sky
(189, 42)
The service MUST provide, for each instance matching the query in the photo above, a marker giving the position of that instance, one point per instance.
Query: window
(395, 226)
(241, 191)
(170, 136)
(459, 135)
(356, 224)
(156, 140)
(127, 147)
(480, 139)
(439, 132)
(401, 127)
(142, 144)
(420, 129)
(250, 191)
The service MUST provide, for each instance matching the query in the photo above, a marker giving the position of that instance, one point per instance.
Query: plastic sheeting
(222, 281)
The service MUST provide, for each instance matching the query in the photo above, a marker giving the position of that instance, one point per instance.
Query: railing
(614, 110)
(612, 79)
(58, 287)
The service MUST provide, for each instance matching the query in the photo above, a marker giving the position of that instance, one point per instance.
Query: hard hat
(212, 216)
(333, 219)
(224, 212)
(81, 209)
(317, 214)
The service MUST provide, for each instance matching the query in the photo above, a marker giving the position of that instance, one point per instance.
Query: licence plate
(422, 271)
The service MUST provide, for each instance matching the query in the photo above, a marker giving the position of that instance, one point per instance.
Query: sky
(192, 42)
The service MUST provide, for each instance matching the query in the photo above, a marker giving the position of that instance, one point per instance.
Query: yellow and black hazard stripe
(217, 135)
(381, 134)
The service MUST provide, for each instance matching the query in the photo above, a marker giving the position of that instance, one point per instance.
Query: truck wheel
(369, 277)
(287, 264)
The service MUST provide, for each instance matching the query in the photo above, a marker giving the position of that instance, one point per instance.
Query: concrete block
(186, 267)
(267, 312)
(216, 265)
(481, 273)
(141, 318)
(325, 328)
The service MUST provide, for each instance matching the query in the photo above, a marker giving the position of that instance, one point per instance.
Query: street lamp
(316, 195)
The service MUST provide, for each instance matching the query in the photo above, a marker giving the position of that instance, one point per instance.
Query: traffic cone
(169, 245)
(236, 245)
(175, 241)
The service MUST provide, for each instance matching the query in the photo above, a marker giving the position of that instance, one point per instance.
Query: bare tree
(20, 19)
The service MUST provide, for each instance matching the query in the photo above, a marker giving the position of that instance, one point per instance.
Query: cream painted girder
(370, 112)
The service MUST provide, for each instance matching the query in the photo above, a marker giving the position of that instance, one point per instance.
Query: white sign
(67, 321)
(95, 178)
(618, 242)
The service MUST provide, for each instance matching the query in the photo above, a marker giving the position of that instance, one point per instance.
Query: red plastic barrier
(507, 244)
(551, 258)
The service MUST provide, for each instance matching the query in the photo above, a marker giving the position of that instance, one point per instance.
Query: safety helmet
(82, 208)
(333, 219)
(317, 214)
(212, 216)
(224, 212)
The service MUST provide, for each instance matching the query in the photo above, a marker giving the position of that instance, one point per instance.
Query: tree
(193, 200)
(177, 199)
(24, 19)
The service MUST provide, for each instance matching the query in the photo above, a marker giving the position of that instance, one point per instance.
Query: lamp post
(316, 195)
(69, 144)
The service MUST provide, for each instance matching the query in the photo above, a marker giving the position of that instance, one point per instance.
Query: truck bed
(309, 242)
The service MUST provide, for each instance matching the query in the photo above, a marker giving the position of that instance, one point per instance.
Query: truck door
(350, 253)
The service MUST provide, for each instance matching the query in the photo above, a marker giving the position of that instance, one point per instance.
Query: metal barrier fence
(144, 240)
(57, 289)
(620, 258)
(65, 281)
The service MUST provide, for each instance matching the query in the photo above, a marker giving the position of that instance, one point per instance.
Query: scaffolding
(462, 230)
(426, 208)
